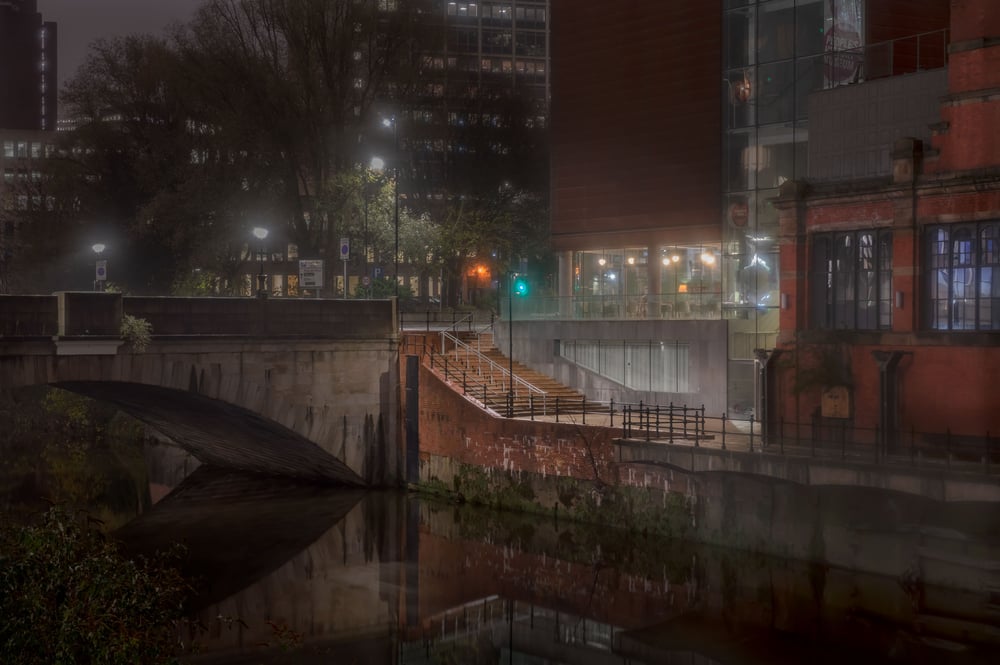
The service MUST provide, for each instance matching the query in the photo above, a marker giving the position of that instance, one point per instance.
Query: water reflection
(300, 575)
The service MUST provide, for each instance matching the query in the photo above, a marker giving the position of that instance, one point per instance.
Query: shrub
(68, 595)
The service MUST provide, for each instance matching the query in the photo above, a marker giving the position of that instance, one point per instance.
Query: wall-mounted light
(601, 261)
(786, 301)
(899, 300)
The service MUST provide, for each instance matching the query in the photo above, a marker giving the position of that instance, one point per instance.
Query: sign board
(345, 249)
(378, 272)
(311, 273)
(836, 402)
(366, 280)
(102, 270)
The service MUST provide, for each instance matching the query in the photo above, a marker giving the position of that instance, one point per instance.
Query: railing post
(723, 430)
(484, 394)
(641, 411)
(684, 419)
(625, 420)
(670, 436)
(427, 328)
(702, 421)
(465, 386)
(557, 408)
(531, 404)
(612, 414)
(751, 432)
(648, 428)
(657, 421)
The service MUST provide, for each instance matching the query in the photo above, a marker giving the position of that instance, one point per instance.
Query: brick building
(890, 283)
(675, 125)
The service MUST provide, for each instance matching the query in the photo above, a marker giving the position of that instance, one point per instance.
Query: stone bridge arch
(312, 394)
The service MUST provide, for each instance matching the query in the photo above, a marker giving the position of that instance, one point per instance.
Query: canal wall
(576, 471)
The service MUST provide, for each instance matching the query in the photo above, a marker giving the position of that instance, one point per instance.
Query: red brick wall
(453, 427)
(636, 120)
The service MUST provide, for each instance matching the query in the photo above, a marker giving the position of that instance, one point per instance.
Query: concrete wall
(535, 345)
(852, 128)
(304, 388)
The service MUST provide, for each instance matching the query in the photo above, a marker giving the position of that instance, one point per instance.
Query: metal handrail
(494, 366)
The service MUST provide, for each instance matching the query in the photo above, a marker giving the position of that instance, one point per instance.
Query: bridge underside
(220, 434)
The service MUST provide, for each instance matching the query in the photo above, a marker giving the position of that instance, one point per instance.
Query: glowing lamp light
(601, 261)
(683, 288)
(708, 258)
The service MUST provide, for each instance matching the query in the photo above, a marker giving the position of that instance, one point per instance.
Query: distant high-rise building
(28, 83)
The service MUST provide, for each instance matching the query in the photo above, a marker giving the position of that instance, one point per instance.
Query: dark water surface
(295, 574)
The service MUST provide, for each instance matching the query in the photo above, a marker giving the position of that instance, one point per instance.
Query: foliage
(68, 595)
(70, 449)
(259, 112)
(137, 332)
(821, 362)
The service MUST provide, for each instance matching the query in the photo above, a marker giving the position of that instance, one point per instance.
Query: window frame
(962, 277)
(836, 301)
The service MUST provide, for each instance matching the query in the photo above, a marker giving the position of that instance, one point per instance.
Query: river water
(293, 574)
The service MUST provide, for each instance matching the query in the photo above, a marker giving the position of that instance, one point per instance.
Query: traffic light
(520, 287)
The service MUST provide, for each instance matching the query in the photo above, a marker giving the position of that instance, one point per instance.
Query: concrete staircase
(472, 363)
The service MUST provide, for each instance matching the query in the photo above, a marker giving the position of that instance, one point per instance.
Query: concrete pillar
(565, 280)
(654, 277)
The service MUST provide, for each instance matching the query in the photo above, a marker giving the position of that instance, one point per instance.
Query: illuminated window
(963, 282)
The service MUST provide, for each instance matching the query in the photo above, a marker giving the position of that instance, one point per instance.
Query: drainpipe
(762, 402)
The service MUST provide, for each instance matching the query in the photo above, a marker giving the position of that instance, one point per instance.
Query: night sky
(82, 21)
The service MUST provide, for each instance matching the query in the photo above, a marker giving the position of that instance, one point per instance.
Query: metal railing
(485, 371)
(820, 438)
(679, 307)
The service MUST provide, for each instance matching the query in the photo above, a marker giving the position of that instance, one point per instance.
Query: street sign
(378, 272)
(102, 270)
(366, 280)
(311, 273)
(345, 249)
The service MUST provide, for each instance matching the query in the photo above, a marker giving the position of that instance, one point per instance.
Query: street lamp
(260, 233)
(391, 122)
(101, 267)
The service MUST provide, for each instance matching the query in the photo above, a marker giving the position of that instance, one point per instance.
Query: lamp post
(510, 344)
(391, 122)
(260, 233)
(101, 267)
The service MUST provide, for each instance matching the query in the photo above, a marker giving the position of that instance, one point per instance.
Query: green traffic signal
(520, 286)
